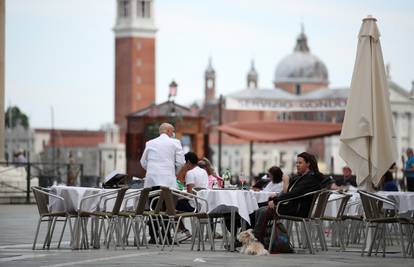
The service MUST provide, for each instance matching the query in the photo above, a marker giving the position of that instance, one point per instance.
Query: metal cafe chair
(138, 218)
(42, 196)
(337, 222)
(377, 219)
(110, 216)
(173, 217)
(304, 220)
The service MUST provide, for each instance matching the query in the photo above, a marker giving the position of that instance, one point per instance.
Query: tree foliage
(14, 117)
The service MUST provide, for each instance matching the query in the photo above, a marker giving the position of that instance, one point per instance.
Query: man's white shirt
(161, 158)
(198, 177)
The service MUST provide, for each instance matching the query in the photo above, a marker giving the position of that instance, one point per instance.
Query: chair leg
(384, 232)
(166, 229)
(322, 234)
(63, 231)
(151, 219)
(224, 231)
(298, 234)
(70, 230)
(143, 230)
(366, 239)
(111, 230)
(128, 225)
(135, 229)
(308, 237)
(37, 233)
(373, 240)
(400, 228)
(202, 236)
(175, 227)
(161, 227)
(194, 234)
(120, 235)
(49, 226)
(210, 235)
(341, 233)
(54, 220)
(272, 236)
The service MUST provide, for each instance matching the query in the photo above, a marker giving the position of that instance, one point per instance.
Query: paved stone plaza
(17, 224)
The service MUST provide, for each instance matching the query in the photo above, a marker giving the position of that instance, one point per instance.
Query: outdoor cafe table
(224, 201)
(403, 200)
(72, 196)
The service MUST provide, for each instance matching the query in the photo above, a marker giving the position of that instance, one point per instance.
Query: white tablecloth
(404, 200)
(73, 196)
(262, 196)
(244, 201)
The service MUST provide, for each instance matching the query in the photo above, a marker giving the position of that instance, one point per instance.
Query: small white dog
(250, 244)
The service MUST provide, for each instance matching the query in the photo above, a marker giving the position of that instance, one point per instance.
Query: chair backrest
(321, 202)
(311, 199)
(167, 198)
(341, 210)
(372, 205)
(143, 199)
(42, 199)
(119, 198)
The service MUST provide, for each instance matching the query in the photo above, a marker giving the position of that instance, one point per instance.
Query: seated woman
(277, 180)
(307, 180)
(213, 178)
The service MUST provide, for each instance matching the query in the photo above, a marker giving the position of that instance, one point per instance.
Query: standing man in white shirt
(162, 158)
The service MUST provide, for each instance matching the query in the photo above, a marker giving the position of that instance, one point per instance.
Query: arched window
(143, 9)
(124, 8)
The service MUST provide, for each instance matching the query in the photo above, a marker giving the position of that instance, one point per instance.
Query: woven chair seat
(55, 214)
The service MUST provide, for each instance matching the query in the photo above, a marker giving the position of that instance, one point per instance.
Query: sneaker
(182, 236)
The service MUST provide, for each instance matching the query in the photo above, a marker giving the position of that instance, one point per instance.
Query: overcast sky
(60, 53)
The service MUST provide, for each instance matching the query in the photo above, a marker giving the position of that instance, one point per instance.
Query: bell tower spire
(252, 77)
(209, 82)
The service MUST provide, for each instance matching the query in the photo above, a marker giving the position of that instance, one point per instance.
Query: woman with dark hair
(308, 179)
(277, 179)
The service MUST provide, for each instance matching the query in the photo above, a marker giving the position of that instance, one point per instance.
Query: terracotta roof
(225, 139)
(280, 131)
(74, 138)
(167, 108)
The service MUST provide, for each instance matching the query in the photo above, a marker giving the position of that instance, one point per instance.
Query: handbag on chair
(281, 242)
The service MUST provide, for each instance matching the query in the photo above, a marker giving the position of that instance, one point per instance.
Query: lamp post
(173, 91)
(171, 95)
(220, 121)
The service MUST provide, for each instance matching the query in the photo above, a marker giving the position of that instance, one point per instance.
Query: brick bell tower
(134, 57)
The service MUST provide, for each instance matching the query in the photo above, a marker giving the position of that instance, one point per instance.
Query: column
(2, 45)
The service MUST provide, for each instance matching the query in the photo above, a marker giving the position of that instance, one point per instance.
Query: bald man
(162, 157)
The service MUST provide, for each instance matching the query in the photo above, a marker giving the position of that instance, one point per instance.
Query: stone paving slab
(18, 222)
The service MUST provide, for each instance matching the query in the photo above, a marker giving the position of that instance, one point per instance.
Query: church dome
(301, 66)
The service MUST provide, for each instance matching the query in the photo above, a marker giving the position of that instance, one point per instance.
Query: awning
(280, 131)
